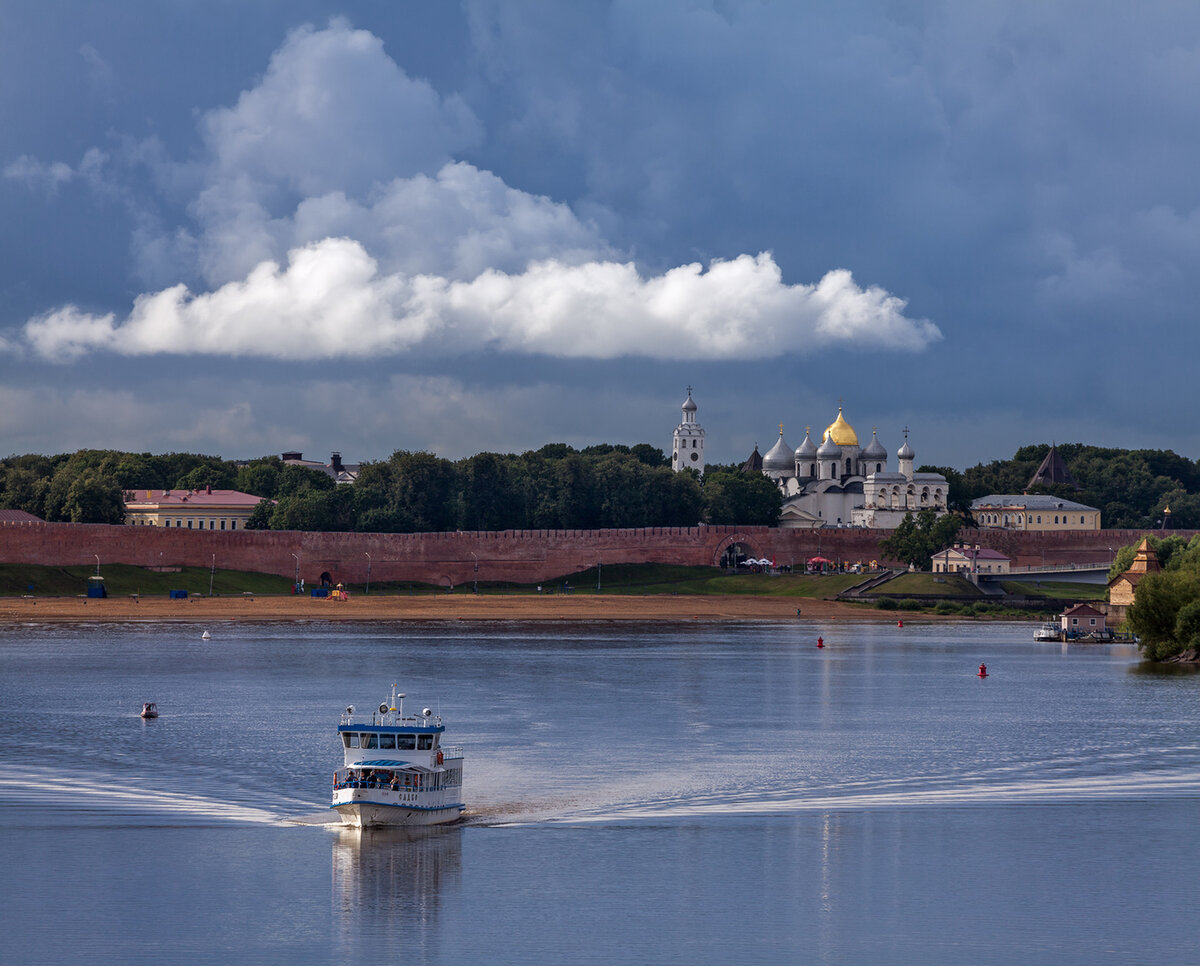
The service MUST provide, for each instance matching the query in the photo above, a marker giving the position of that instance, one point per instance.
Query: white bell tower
(688, 443)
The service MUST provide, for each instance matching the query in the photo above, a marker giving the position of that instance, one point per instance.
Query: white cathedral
(835, 484)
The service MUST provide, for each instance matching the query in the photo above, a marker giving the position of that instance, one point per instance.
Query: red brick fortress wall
(521, 556)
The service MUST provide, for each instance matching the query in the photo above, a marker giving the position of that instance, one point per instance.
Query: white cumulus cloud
(331, 300)
(332, 219)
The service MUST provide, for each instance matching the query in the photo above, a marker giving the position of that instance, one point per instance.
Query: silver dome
(874, 450)
(780, 457)
(828, 449)
(808, 449)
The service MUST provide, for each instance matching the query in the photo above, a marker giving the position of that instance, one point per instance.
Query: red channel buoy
(983, 670)
(820, 642)
(899, 623)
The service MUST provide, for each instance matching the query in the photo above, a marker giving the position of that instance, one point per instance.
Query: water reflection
(388, 883)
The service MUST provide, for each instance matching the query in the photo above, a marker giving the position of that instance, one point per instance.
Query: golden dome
(842, 432)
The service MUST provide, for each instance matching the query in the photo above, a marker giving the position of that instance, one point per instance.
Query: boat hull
(376, 814)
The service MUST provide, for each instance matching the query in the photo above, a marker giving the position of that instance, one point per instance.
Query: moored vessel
(396, 770)
(1048, 632)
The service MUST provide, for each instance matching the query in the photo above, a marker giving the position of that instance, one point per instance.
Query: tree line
(556, 487)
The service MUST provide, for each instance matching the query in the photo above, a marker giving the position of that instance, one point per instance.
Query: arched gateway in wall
(733, 547)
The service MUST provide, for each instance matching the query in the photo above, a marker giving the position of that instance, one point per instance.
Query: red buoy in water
(899, 623)
(983, 670)
(820, 642)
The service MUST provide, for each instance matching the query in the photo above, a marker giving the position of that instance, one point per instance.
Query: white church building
(838, 483)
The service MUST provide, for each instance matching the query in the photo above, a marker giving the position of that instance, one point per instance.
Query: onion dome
(808, 449)
(829, 450)
(780, 457)
(689, 406)
(905, 452)
(841, 432)
(874, 450)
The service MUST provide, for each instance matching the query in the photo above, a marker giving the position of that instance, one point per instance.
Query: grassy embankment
(614, 580)
(123, 580)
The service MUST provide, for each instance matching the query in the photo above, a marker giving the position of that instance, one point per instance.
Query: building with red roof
(206, 509)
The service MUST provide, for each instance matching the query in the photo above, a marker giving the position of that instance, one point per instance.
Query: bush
(886, 603)
(910, 605)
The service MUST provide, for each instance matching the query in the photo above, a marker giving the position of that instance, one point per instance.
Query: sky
(240, 227)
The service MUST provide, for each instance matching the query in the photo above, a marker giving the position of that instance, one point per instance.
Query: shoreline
(447, 607)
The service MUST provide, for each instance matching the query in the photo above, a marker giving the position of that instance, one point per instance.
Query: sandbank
(434, 607)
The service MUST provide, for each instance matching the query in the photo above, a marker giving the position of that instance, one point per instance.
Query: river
(646, 793)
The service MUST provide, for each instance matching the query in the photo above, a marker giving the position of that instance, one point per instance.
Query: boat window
(406, 742)
(351, 739)
(369, 741)
(387, 741)
(424, 742)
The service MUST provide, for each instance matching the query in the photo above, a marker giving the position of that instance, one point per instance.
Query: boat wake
(673, 799)
(94, 800)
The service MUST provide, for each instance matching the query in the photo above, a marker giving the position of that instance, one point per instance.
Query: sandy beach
(531, 607)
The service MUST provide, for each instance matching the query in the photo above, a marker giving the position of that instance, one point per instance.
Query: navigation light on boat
(427, 712)
(383, 708)
(349, 709)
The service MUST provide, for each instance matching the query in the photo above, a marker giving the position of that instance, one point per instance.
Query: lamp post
(97, 556)
(475, 581)
(368, 591)
(296, 582)
(211, 573)
(599, 564)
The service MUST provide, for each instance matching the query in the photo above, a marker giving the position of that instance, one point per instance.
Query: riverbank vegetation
(1166, 610)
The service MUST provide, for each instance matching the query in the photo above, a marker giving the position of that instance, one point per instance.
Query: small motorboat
(1048, 632)
(206, 636)
(149, 710)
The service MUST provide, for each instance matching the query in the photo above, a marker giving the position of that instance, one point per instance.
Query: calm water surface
(667, 793)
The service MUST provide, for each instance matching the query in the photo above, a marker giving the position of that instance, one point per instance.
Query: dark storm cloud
(1020, 174)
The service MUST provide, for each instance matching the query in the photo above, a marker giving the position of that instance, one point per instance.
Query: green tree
(260, 516)
(219, 476)
(94, 497)
(260, 477)
(315, 510)
(296, 479)
(1158, 605)
(919, 537)
(734, 498)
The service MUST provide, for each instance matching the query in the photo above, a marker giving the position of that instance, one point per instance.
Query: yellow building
(1121, 588)
(206, 509)
(1034, 511)
(969, 560)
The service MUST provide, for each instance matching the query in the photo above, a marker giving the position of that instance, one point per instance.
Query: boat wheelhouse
(396, 769)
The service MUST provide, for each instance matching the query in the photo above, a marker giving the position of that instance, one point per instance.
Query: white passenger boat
(397, 771)
(1048, 632)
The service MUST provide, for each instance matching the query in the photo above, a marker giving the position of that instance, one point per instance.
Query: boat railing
(451, 751)
(389, 719)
